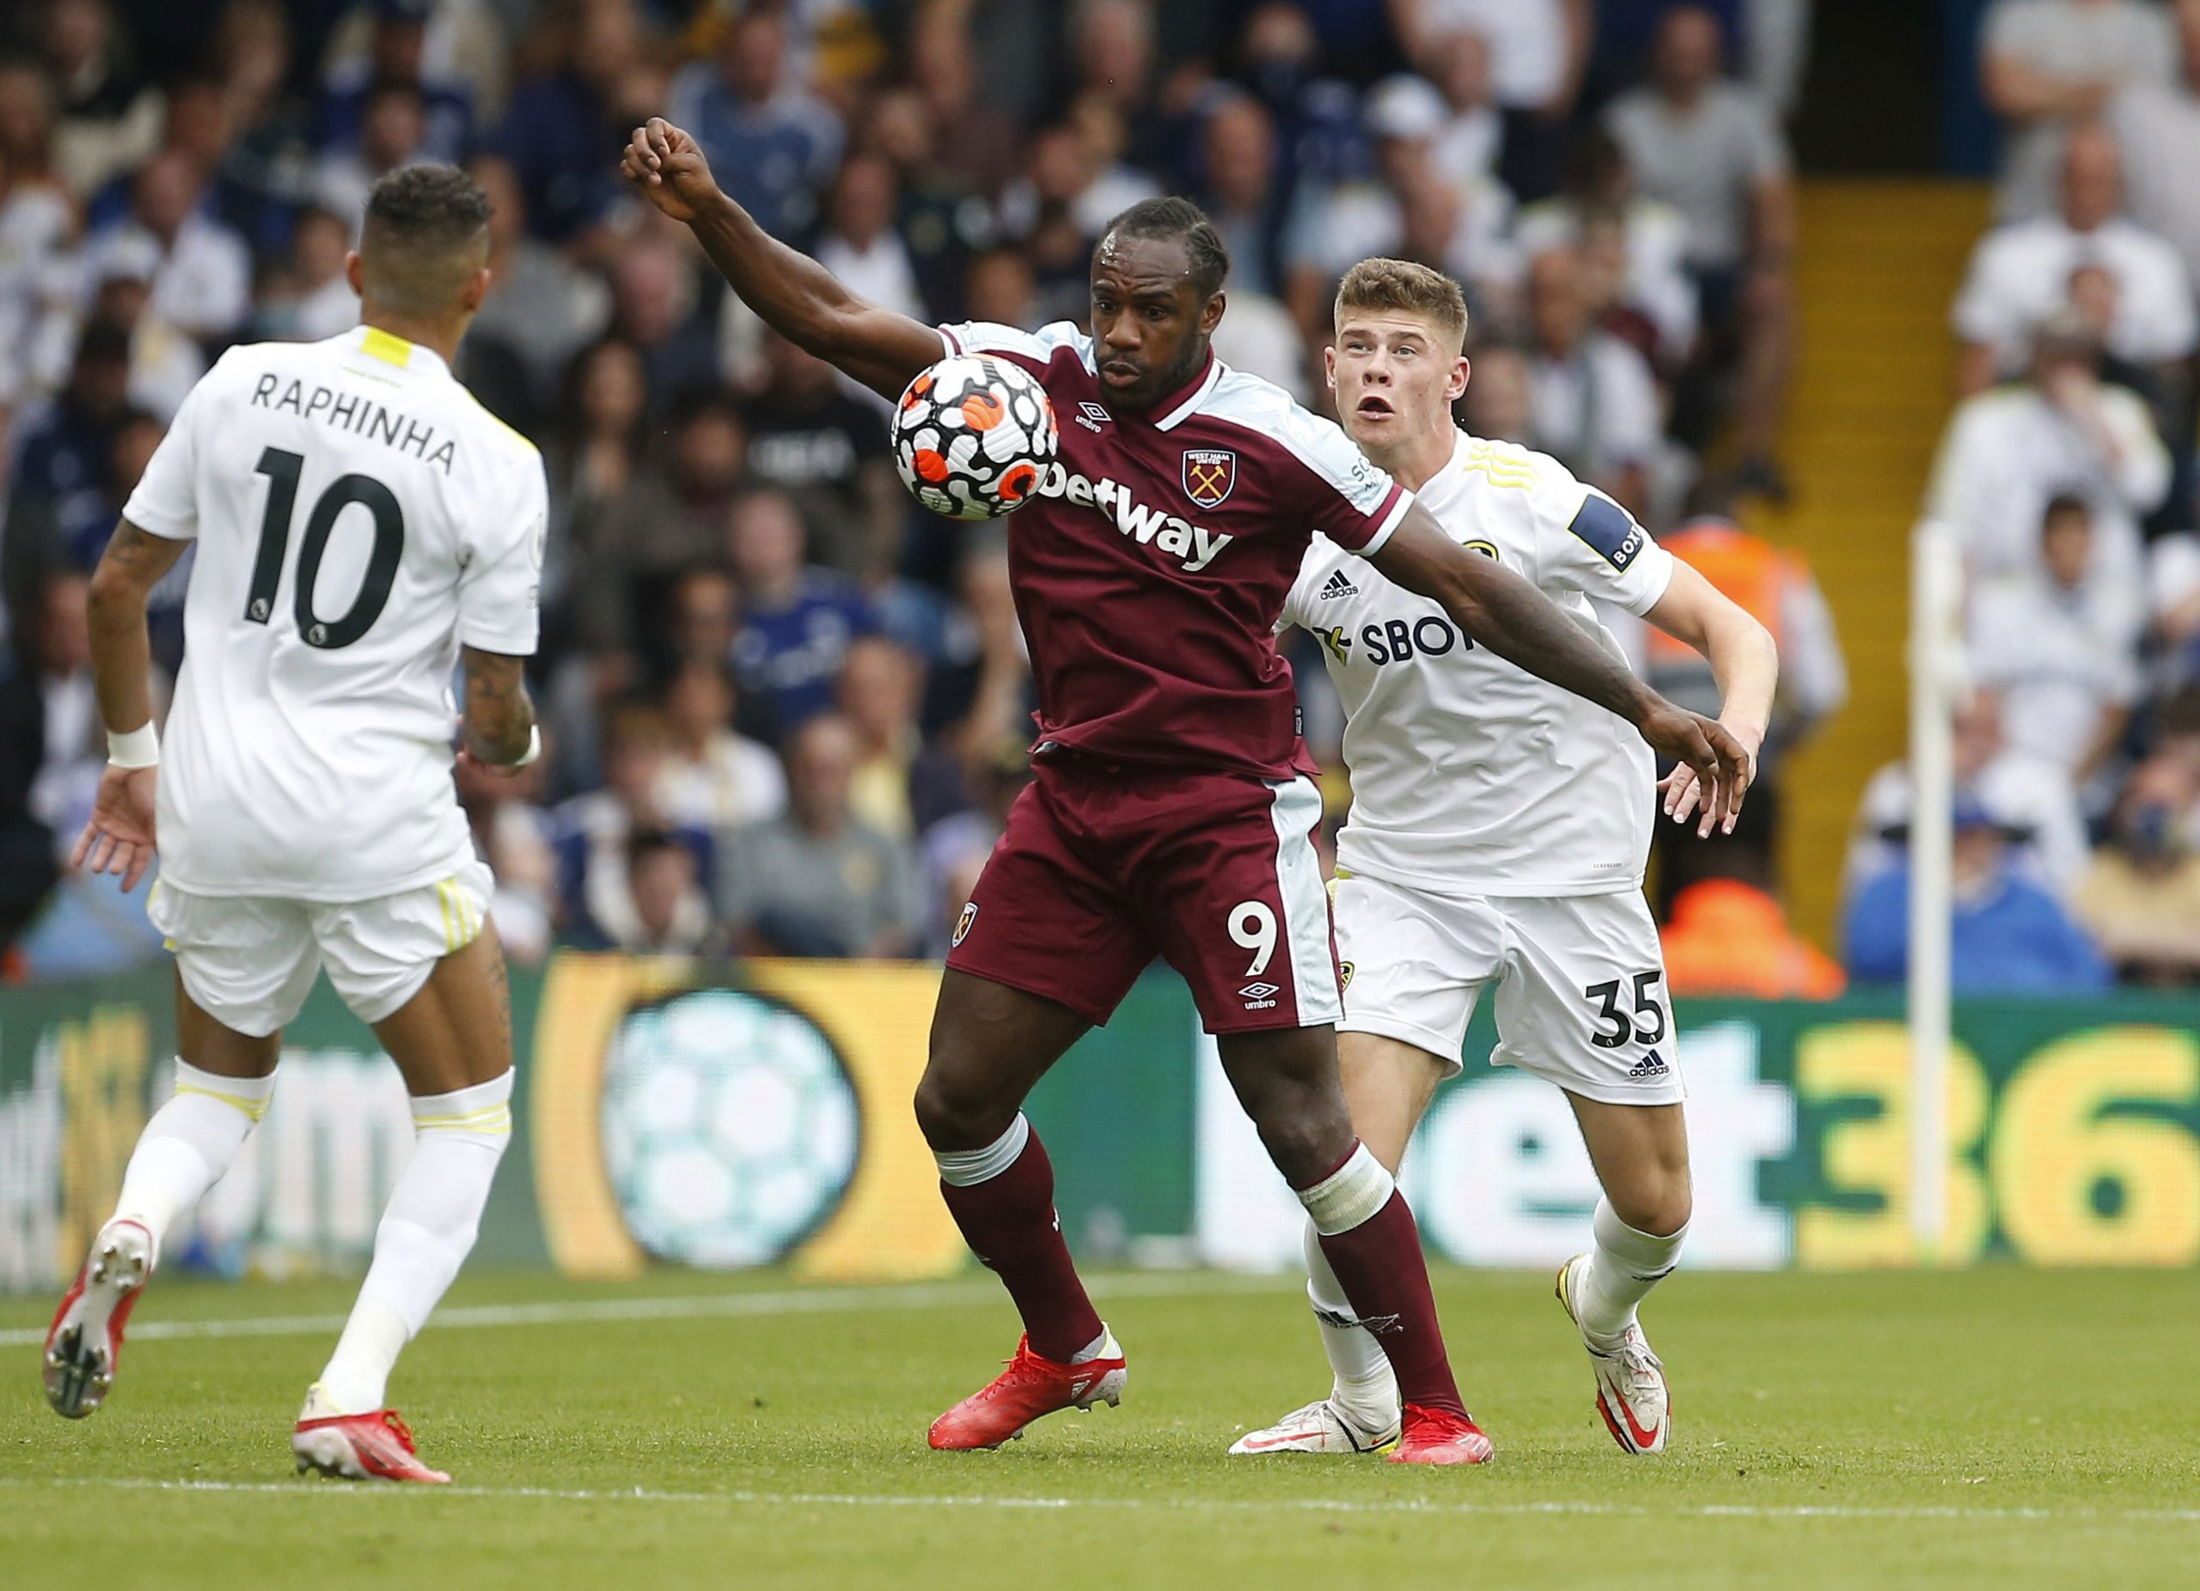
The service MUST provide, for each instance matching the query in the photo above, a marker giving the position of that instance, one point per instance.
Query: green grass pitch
(1988, 1428)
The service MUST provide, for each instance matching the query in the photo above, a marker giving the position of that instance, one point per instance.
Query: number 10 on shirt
(282, 469)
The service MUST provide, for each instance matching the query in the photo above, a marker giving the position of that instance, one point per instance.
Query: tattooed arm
(500, 720)
(120, 838)
(122, 657)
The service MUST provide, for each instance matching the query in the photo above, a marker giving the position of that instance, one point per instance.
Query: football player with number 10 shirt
(363, 526)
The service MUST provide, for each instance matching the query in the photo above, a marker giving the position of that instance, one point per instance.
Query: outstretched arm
(120, 837)
(796, 296)
(1509, 616)
(1744, 660)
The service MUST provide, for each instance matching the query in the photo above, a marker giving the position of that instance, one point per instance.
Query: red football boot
(359, 1447)
(1030, 1387)
(1437, 1436)
(84, 1344)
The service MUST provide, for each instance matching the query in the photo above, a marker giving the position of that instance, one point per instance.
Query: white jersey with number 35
(1471, 776)
(358, 516)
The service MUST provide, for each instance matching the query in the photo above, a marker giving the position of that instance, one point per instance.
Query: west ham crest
(962, 924)
(1209, 473)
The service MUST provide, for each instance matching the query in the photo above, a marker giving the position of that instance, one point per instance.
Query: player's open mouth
(1372, 407)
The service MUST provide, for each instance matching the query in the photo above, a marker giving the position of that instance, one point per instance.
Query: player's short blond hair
(1402, 286)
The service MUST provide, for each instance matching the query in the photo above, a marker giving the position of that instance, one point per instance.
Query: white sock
(1349, 1196)
(1365, 1388)
(1102, 1344)
(966, 1168)
(188, 1145)
(425, 1235)
(1622, 1269)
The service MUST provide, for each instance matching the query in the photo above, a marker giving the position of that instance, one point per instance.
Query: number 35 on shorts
(1643, 1024)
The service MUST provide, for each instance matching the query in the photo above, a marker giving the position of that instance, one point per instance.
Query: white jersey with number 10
(358, 516)
(1471, 776)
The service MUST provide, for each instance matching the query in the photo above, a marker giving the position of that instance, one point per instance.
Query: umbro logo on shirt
(1651, 1065)
(1092, 416)
(1338, 586)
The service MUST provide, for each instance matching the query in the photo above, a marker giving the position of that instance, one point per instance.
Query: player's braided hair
(1188, 224)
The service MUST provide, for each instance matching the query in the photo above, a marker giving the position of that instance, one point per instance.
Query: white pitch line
(1178, 1505)
(791, 1301)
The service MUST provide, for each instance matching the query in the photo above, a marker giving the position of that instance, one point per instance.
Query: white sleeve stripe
(1190, 406)
(1390, 524)
(1282, 437)
(1319, 446)
(979, 337)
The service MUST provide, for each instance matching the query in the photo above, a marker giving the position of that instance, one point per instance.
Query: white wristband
(140, 748)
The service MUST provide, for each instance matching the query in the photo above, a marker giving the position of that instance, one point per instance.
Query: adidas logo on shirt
(1338, 586)
(1651, 1065)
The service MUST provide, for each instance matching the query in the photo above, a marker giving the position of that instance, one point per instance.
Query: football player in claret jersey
(1496, 842)
(363, 525)
(1168, 814)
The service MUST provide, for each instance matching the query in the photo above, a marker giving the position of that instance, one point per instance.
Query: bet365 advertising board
(671, 1113)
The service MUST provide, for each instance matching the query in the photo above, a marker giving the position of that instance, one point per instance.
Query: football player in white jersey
(1497, 840)
(362, 526)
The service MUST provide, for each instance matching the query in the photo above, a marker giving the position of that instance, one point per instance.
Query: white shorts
(248, 961)
(1580, 982)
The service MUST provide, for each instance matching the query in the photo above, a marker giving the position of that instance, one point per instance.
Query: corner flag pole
(1936, 682)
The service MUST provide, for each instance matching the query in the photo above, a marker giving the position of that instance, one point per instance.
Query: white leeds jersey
(358, 515)
(1471, 776)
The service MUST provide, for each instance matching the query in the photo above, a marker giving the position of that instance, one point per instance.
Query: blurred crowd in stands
(786, 711)
(2067, 473)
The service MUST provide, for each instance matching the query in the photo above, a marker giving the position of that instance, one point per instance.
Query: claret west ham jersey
(358, 516)
(1152, 562)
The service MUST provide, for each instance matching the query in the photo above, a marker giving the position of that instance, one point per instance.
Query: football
(971, 436)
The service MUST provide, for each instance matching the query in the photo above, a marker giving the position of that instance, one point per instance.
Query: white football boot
(84, 1343)
(1318, 1428)
(1631, 1392)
